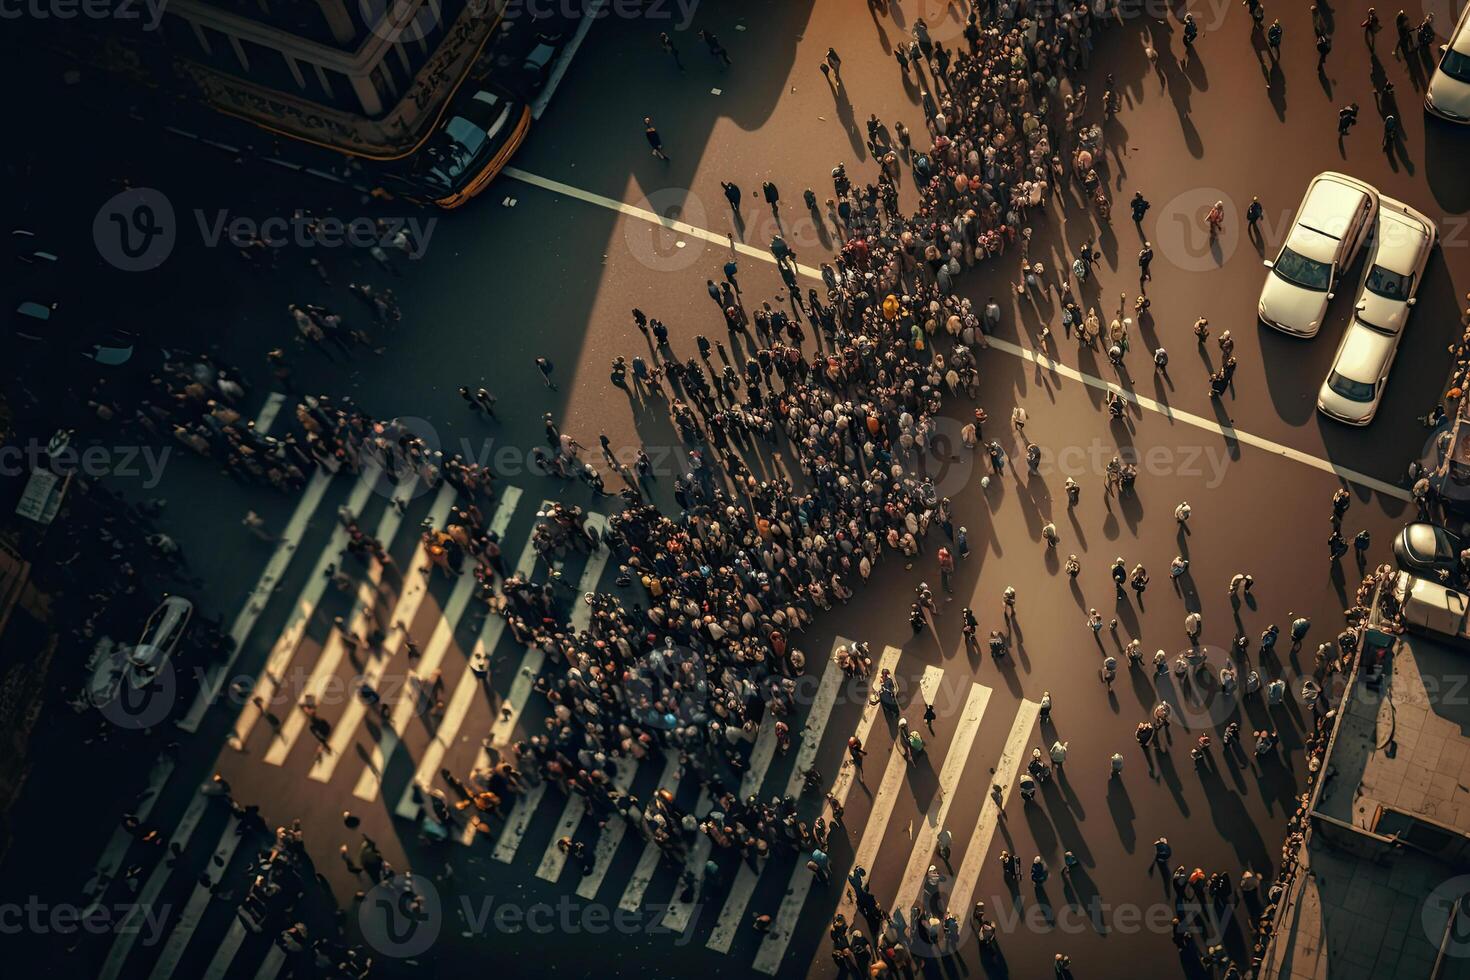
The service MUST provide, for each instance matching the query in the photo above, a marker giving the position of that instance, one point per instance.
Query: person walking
(1371, 26)
(1347, 118)
(667, 43)
(772, 196)
(1324, 48)
(1139, 206)
(1390, 132)
(1145, 259)
(1273, 40)
(545, 367)
(1253, 217)
(654, 139)
(732, 194)
(716, 49)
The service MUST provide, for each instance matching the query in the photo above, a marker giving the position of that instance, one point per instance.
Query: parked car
(1448, 93)
(1424, 549)
(1402, 241)
(1333, 221)
(479, 133)
(161, 635)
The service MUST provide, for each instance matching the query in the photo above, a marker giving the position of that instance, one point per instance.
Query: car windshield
(1456, 65)
(453, 151)
(1302, 271)
(1355, 391)
(1388, 284)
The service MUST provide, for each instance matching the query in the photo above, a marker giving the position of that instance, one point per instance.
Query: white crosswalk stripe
(225, 953)
(1005, 775)
(412, 696)
(783, 924)
(302, 614)
(415, 588)
(364, 609)
(147, 898)
(883, 801)
(270, 967)
(464, 691)
(188, 921)
(746, 877)
(117, 845)
(255, 604)
(609, 838)
(949, 778)
(642, 876)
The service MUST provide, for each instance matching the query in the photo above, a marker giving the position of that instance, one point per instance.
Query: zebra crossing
(398, 752)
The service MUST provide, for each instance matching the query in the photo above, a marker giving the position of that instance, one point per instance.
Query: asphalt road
(557, 274)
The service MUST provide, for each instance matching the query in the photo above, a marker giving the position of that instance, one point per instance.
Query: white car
(161, 634)
(1448, 94)
(1402, 241)
(1334, 219)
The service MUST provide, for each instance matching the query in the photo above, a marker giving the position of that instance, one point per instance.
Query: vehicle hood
(1386, 314)
(1292, 307)
(1449, 95)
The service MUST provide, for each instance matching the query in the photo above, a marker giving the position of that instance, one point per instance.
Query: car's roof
(1311, 243)
(1330, 204)
(1364, 352)
(1461, 41)
(1401, 240)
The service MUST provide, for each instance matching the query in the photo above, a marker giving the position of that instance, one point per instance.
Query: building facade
(366, 77)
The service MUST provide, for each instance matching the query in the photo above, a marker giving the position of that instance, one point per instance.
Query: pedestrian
(772, 196)
(1390, 132)
(1117, 764)
(654, 139)
(1324, 47)
(1161, 361)
(667, 43)
(1202, 330)
(1253, 217)
(545, 366)
(1192, 624)
(1145, 259)
(1182, 512)
(1273, 39)
(716, 49)
(1139, 206)
(834, 62)
(1347, 118)
(1371, 26)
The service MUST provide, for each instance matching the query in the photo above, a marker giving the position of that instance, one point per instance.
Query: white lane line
(118, 844)
(1005, 774)
(302, 614)
(357, 619)
(1200, 422)
(464, 689)
(883, 802)
(534, 657)
(147, 899)
(1210, 425)
(389, 740)
(949, 777)
(773, 947)
(268, 412)
(245, 620)
(632, 899)
(610, 837)
(229, 948)
(592, 13)
(643, 214)
(738, 898)
(415, 588)
(188, 921)
(275, 958)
